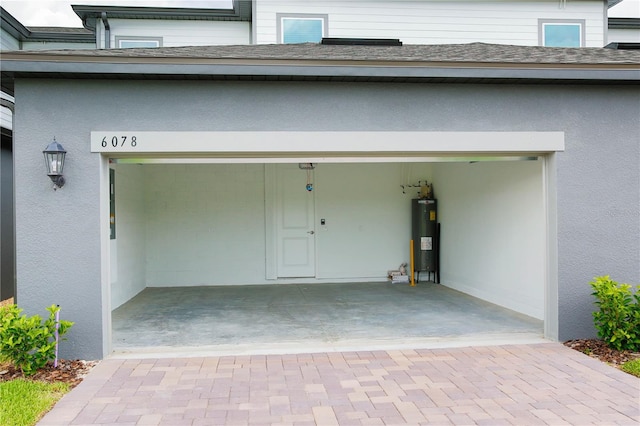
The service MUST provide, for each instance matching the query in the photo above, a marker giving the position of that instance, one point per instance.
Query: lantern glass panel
(54, 162)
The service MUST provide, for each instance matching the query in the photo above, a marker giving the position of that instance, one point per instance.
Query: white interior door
(295, 232)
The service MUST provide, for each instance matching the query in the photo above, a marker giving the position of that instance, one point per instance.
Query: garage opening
(196, 259)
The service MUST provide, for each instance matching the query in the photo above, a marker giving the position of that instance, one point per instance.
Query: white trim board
(265, 144)
(362, 158)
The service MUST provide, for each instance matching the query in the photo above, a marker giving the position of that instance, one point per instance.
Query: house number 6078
(116, 141)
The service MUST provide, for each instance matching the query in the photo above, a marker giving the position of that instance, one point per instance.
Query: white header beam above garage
(325, 146)
(314, 160)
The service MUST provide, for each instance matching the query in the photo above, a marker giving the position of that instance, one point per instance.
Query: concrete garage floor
(294, 318)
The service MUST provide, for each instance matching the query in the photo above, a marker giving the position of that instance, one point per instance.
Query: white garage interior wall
(368, 218)
(128, 266)
(204, 224)
(493, 232)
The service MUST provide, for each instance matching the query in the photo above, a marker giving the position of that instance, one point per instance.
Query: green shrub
(618, 317)
(28, 342)
(632, 367)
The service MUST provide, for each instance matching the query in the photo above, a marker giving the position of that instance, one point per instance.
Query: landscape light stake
(55, 362)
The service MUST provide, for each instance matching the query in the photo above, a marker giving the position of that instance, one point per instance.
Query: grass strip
(632, 367)
(24, 402)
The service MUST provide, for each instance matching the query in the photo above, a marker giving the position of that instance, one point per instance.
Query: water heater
(425, 235)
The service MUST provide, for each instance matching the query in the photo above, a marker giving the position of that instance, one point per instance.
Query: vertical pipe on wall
(253, 24)
(107, 31)
(605, 23)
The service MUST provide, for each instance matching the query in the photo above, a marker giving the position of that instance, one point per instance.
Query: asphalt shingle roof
(60, 30)
(456, 63)
(478, 53)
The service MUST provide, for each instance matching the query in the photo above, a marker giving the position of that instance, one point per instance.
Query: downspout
(107, 31)
(253, 26)
(605, 23)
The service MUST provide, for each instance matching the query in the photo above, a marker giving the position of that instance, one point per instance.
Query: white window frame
(280, 17)
(543, 23)
(120, 39)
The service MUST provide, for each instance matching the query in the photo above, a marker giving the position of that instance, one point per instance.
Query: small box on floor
(399, 279)
(393, 273)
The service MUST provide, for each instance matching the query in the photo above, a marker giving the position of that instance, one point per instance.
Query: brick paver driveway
(511, 384)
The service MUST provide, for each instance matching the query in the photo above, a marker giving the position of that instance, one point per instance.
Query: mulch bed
(69, 371)
(598, 349)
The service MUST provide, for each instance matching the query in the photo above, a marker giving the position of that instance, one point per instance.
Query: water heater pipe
(413, 278)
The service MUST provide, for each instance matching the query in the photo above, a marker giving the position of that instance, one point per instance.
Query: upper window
(301, 28)
(561, 33)
(130, 42)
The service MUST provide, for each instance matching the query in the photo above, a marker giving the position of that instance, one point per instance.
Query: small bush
(632, 367)
(618, 317)
(28, 342)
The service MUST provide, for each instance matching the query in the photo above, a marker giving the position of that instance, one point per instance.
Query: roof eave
(90, 13)
(13, 26)
(624, 23)
(61, 37)
(611, 3)
(22, 33)
(373, 71)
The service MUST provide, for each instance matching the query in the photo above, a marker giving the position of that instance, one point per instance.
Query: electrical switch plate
(323, 222)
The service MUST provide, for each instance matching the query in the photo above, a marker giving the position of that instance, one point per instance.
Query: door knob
(311, 232)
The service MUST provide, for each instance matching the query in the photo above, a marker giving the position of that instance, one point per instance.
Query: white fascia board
(267, 143)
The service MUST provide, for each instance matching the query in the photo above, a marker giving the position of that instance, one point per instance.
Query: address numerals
(119, 141)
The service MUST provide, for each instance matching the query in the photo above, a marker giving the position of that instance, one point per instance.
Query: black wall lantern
(54, 155)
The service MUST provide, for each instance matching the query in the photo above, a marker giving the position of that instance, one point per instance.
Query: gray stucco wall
(598, 200)
(598, 175)
(57, 232)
